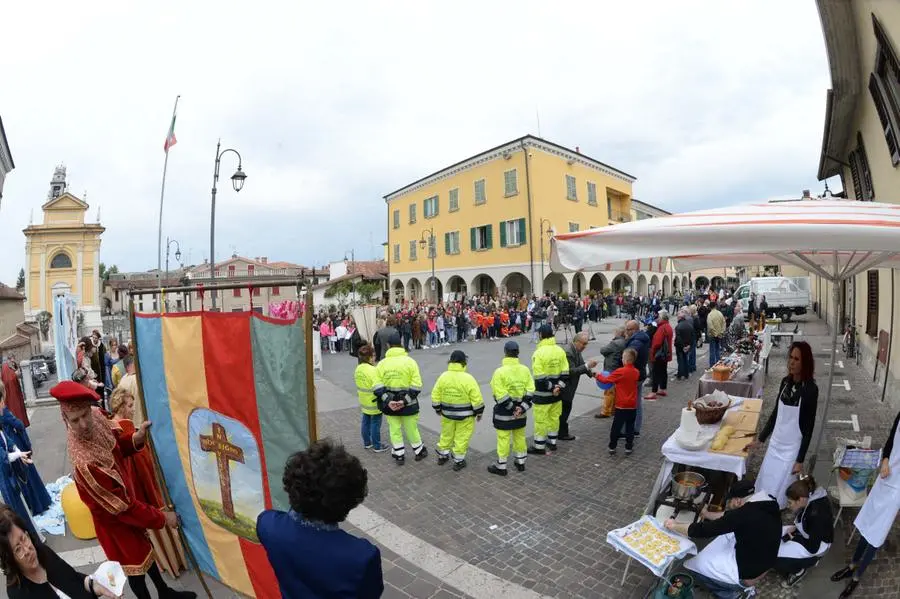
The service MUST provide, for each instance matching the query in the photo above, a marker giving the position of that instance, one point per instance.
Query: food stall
(701, 460)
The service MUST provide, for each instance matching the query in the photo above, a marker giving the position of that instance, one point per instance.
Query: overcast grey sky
(334, 104)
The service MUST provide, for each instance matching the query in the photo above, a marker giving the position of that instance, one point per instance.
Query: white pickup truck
(785, 296)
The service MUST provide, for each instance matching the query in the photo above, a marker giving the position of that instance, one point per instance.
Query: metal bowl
(687, 485)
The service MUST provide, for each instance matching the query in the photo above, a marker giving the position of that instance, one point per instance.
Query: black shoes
(520, 467)
(552, 446)
(457, 466)
(841, 574)
(848, 590)
(400, 460)
(794, 578)
(493, 469)
(443, 459)
(536, 451)
(567, 438)
(422, 454)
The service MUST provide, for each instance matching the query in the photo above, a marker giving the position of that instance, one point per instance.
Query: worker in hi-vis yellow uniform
(513, 390)
(457, 398)
(549, 365)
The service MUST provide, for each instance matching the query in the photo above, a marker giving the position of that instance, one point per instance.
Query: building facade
(861, 145)
(17, 338)
(62, 255)
(6, 160)
(483, 225)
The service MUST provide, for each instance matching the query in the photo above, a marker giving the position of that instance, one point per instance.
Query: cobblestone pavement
(545, 529)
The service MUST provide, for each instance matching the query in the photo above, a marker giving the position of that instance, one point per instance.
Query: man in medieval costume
(98, 454)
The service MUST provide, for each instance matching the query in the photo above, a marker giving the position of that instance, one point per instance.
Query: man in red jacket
(660, 356)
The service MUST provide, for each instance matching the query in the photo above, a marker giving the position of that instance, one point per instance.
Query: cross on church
(226, 452)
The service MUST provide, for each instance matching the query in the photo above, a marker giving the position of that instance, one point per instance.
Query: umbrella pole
(834, 329)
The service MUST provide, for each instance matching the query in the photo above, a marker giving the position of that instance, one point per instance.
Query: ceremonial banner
(65, 334)
(227, 395)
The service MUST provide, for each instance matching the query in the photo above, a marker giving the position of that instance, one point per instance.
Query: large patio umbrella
(835, 239)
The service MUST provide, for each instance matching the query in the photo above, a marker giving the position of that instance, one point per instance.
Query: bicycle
(850, 342)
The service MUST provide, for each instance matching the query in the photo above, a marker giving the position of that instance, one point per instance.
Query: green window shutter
(490, 236)
(503, 234)
(522, 238)
(473, 233)
(447, 243)
(437, 205)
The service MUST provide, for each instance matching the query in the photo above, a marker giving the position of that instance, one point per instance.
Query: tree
(20, 282)
(43, 319)
(366, 289)
(340, 291)
(105, 272)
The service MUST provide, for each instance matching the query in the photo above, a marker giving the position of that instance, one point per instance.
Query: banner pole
(310, 380)
(160, 476)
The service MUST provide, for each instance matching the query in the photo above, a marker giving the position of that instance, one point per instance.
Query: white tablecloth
(704, 458)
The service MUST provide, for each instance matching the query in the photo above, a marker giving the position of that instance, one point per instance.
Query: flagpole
(162, 195)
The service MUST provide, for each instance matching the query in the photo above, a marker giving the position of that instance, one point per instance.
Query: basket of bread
(711, 408)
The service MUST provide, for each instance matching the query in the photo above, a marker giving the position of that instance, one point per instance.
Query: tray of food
(731, 441)
(649, 543)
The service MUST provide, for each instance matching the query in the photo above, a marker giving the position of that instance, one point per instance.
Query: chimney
(264, 260)
(206, 261)
(577, 150)
(806, 195)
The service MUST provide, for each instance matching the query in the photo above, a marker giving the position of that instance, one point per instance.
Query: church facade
(62, 255)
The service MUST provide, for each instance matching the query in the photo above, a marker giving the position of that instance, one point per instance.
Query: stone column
(28, 311)
(43, 294)
(79, 272)
(97, 289)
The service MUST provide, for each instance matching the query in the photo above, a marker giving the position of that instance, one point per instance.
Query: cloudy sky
(332, 105)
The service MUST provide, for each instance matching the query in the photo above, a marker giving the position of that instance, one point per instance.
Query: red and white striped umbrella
(832, 238)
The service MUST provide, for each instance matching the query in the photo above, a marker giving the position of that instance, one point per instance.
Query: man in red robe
(15, 401)
(98, 455)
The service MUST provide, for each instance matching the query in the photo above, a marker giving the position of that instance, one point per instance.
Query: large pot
(687, 485)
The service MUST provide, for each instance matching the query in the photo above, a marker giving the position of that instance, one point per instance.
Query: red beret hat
(70, 391)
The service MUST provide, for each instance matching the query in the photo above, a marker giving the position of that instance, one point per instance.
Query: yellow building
(492, 215)
(63, 256)
(861, 145)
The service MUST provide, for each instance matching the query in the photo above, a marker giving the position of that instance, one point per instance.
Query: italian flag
(170, 137)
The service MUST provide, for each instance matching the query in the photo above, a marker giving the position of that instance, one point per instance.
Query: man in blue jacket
(639, 341)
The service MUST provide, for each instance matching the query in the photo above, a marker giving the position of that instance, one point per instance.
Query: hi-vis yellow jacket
(513, 388)
(398, 379)
(456, 394)
(365, 377)
(550, 365)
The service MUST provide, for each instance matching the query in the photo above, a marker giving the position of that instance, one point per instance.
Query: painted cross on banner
(225, 452)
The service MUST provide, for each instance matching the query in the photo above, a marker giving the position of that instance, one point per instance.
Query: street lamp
(352, 266)
(237, 181)
(549, 234)
(431, 251)
(169, 243)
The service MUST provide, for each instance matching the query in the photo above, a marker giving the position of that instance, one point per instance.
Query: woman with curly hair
(311, 556)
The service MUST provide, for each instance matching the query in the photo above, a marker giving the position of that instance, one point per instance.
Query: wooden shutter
(865, 173)
(880, 98)
(522, 239)
(503, 234)
(872, 303)
(447, 243)
(490, 237)
(473, 233)
(437, 205)
(854, 173)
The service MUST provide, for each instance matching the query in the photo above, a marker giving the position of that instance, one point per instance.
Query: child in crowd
(626, 381)
(366, 378)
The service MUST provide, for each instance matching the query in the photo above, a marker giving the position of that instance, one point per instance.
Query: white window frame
(483, 191)
(478, 246)
(412, 213)
(573, 196)
(430, 200)
(454, 235)
(574, 227)
(413, 251)
(507, 192)
(591, 186)
(512, 233)
(453, 200)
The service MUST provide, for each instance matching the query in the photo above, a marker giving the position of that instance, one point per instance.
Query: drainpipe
(887, 365)
(531, 223)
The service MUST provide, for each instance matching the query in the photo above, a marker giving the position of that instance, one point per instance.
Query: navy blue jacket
(640, 342)
(318, 561)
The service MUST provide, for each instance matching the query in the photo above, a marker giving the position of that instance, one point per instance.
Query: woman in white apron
(812, 533)
(877, 515)
(790, 425)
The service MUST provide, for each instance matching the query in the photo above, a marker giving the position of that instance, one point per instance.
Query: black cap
(511, 348)
(741, 489)
(393, 339)
(459, 356)
(546, 331)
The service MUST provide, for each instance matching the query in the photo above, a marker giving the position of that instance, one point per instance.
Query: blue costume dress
(19, 481)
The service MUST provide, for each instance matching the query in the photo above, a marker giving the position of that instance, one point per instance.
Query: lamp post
(432, 252)
(169, 243)
(237, 181)
(352, 265)
(549, 233)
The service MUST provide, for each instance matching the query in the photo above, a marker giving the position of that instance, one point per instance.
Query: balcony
(616, 216)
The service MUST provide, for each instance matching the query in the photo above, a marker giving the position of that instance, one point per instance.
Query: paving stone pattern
(550, 523)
